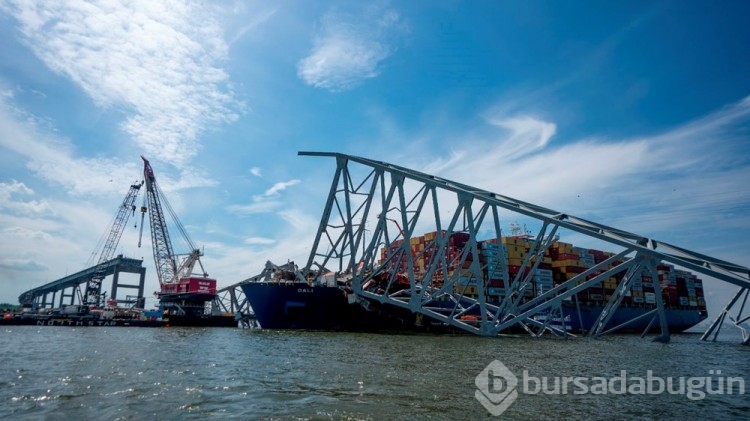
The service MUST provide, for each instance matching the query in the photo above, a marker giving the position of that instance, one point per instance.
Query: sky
(632, 114)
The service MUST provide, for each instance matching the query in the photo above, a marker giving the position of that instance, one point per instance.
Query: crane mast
(164, 258)
(93, 295)
(182, 292)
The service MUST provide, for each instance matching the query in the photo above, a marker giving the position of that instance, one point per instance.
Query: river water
(198, 373)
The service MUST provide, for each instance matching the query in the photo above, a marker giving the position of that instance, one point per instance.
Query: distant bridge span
(67, 290)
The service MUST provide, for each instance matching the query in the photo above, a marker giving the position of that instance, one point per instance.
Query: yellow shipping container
(511, 241)
(466, 272)
(563, 247)
(516, 250)
(567, 262)
(465, 289)
(515, 261)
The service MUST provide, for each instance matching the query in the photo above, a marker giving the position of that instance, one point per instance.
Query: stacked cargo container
(423, 250)
(502, 261)
(493, 258)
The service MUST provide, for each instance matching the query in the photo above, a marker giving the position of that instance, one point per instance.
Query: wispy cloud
(21, 265)
(527, 135)
(256, 18)
(349, 48)
(255, 171)
(157, 62)
(21, 232)
(9, 192)
(269, 201)
(52, 158)
(280, 186)
(258, 241)
(693, 173)
(258, 205)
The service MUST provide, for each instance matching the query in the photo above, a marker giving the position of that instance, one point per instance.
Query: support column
(115, 278)
(142, 282)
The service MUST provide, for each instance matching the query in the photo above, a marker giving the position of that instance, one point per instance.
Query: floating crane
(182, 293)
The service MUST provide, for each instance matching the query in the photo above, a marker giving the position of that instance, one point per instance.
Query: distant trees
(8, 306)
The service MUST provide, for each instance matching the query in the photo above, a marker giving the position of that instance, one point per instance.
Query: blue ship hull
(678, 319)
(300, 306)
(295, 305)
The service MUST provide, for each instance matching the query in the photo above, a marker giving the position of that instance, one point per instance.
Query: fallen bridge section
(231, 300)
(370, 229)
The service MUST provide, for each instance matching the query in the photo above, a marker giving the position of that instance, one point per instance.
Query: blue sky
(632, 114)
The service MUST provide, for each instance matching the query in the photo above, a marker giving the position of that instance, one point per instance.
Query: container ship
(283, 298)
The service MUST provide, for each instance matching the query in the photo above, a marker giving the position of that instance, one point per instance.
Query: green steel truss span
(369, 236)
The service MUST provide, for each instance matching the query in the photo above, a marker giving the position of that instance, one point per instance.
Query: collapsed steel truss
(232, 300)
(374, 206)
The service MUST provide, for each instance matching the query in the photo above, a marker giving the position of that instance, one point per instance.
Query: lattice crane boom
(164, 257)
(173, 274)
(93, 296)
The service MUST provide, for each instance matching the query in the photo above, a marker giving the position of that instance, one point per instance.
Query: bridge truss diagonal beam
(231, 299)
(376, 210)
(741, 318)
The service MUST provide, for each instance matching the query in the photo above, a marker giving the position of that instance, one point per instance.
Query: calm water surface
(191, 373)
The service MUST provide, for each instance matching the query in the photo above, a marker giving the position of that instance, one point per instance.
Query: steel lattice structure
(93, 294)
(166, 267)
(374, 207)
(232, 300)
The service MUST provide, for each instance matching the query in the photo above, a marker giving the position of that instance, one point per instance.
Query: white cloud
(21, 265)
(689, 175)
(158, 62)
(52, 158)
(259, 240)
(257, 206)
(14, 187)
(280, 186)
(350, 48)
(267, 202)
(25, 233)
(299, 220)
(257, 18)
(527, 135)
(255, 171)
